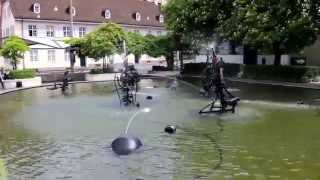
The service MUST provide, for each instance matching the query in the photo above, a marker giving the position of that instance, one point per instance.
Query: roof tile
(91, 11)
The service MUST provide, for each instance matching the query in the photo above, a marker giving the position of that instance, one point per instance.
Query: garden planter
(24, 83)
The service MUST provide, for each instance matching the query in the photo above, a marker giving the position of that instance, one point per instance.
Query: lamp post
(71, 52)
(71, 16)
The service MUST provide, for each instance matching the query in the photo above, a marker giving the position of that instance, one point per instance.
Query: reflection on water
(48, 135)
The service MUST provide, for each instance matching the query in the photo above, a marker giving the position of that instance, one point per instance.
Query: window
(67, 31)
(161, 18)
(7, 12)
(32, 30)
(138, 16)
(7, 32)
(159, 33)
(66, 56)
(11, 30)
(50, 31)
(107, 14)
(51, 56)
(73, 11)
(34, 55)
(82, 31)
(36, 8)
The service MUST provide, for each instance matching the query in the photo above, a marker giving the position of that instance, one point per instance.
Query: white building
(48, 23)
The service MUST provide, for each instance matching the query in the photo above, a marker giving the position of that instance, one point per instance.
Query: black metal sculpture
(64, 85)
(215, 88)
(125, 145)
(127, 85)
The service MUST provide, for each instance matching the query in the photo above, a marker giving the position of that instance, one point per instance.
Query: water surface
(48, 135)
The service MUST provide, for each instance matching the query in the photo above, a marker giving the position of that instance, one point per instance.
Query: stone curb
(3, 92)
(270, 83)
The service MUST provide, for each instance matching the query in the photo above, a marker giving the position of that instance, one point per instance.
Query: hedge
(230, 70)
(281, 73)
(102, 71)
(22, 74)
(159, 68)
(261, 72)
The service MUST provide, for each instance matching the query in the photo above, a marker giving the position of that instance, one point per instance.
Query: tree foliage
(278, 26)
(166, 46)
(103, 42)
(107, 40)
(137, 45)
(275, 26)
(196, 18)
(14, 49)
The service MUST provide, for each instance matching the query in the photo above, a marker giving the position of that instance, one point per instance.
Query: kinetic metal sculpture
(64, 85)
(215, 88)
(127, 86)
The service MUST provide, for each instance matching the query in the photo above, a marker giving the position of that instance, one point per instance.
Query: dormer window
(138, 16)
(107, 14)
(161, 18)
(36, 8)
(73, 11)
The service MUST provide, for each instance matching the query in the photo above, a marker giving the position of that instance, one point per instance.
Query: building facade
(48, 23)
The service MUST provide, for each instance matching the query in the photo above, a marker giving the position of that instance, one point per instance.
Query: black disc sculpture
(125, 145)
(170, 129)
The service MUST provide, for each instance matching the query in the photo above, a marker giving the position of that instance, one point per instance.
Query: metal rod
(71, 16)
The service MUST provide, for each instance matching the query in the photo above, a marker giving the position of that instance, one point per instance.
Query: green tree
(80, 45)
(103, 42)
(166, 46)
(195, 23)
(196, 18)
(158, 46)
(136, 45)
(14, 49)
(276, 26)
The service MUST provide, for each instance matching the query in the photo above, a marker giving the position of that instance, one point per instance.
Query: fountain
(48, 136)
(125, 145)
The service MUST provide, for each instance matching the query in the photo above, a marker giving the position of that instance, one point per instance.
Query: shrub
(281, 73)
(96, 71)
(101, 70)
(230, 70)
(22, 74)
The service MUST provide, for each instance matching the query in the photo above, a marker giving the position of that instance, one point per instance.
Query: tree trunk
(249, 55)
(104, 64)
(72, 60)
(277, 54)
(170, 61)
(181, 61)
(233, 46)
(136, 58)
(14, 64)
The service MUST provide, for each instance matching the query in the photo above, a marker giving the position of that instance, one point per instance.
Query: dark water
(47, 135)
